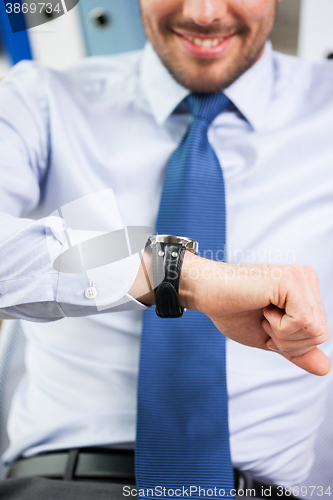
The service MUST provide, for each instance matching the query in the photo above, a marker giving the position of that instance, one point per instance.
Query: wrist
(202, 283)
(189, 283)
(141, 289)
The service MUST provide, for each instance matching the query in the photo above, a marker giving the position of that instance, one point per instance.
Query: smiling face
(207, 44)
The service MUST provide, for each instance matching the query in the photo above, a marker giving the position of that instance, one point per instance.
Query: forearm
(34, 289)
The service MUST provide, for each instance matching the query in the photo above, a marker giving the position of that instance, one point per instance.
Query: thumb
(314, 361)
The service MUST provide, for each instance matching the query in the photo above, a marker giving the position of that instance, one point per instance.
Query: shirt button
(90, 292)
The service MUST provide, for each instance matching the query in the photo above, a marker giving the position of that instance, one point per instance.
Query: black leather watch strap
(167, 264)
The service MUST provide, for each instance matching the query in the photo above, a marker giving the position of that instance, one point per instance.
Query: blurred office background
(100, 27)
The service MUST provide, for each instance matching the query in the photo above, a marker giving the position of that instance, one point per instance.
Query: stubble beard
(198, 77)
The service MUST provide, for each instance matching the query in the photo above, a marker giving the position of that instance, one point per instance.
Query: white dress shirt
(105, 130)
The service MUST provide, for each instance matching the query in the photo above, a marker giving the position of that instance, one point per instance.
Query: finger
(303, 306)
(275, 316)
(293, 347)
(314, 361)
(286, 327)
(296, 350)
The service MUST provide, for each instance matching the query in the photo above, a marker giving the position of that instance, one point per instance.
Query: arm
(265, 306)
(30, 287)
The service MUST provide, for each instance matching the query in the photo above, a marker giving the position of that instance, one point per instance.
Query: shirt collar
(162, 91)
(250, 93)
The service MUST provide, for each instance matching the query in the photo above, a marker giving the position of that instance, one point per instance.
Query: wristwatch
(167, 258)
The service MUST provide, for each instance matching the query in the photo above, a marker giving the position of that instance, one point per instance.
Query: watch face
(188, 243)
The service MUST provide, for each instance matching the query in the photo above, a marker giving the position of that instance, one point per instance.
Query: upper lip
(211, 36)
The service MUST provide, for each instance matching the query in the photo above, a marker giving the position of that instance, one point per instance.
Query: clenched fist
(265, 306)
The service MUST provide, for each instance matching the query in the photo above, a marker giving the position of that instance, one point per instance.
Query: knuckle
(322, 337)
(292, 270)
(320, 330)
(305, 319)
(311, 272)
(294, 274)
(299, 272)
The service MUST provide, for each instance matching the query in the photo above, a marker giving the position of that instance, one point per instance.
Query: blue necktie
(182, 427)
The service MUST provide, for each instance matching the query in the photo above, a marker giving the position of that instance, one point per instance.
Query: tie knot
(207, 106)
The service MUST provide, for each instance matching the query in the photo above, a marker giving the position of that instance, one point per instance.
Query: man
(114, 123)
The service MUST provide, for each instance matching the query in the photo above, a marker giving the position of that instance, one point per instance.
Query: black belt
(117, 466)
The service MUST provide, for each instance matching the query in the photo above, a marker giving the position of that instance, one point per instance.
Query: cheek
(157, 10)
(253, 12)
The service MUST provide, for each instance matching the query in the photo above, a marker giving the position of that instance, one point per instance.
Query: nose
(204, 12)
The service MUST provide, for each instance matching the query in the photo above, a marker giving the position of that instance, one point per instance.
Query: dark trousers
(98, 474)
(52, 489)
(38, 488)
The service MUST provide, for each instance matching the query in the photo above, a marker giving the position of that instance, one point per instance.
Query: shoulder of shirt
(24, 73)
(26, 81)
(89, 75)
(112, 70)
(313, 79)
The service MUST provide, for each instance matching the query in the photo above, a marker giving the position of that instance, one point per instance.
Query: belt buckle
(244, 481)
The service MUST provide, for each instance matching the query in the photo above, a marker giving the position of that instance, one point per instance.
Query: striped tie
(182, 428)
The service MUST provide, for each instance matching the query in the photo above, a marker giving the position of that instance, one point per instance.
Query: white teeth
(207, 42)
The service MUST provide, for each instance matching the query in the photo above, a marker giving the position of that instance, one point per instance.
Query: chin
(207, 75)
(199, 80)
(204, 86)
(204, 75)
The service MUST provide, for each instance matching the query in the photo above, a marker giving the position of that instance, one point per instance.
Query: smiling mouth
(204, 42)
(203, 46)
